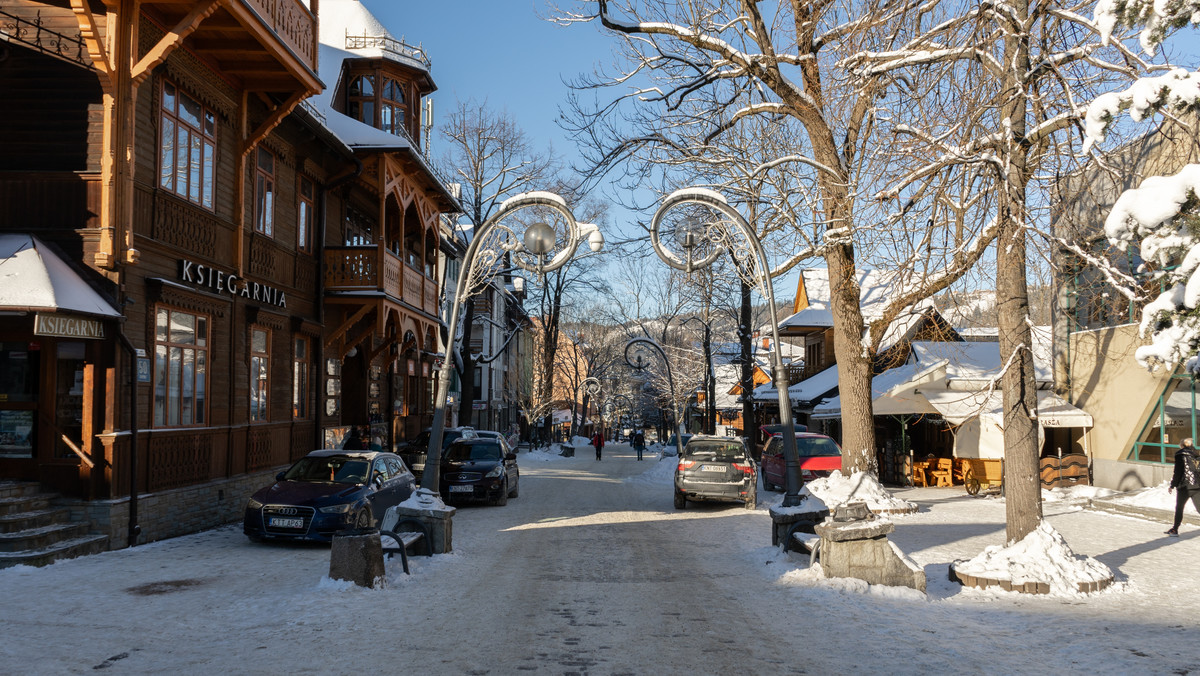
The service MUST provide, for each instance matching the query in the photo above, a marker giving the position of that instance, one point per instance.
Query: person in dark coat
(1186, 479)
(598, 442)
(354, 442)
(639, 443)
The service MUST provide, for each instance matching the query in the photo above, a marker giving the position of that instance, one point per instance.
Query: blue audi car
(328, 491)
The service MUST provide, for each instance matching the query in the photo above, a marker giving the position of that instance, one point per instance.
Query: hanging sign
(68, 326)
(229, 283)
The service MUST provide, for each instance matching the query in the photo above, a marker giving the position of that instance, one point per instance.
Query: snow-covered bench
(405, 536)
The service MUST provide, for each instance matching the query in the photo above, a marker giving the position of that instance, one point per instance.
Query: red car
(818, 454)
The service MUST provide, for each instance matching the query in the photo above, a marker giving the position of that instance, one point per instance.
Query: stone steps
(59, 551)
(11, 523)
(33, 532)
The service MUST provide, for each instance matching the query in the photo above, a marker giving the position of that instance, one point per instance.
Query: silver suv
(716, 468)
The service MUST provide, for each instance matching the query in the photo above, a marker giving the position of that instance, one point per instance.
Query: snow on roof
(33, 277)
(876, 287)
(958, 407)
(727, 376)
(349, 25)
(981, 361)
(356, 134)
(974, 366)
(805, 390)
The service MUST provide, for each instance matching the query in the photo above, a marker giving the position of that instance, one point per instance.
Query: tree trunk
(466, 379)
(749, 426)
(1022, 490)
(853, 361)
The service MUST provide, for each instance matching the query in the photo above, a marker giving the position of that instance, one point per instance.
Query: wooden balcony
(269, 45)
(361, 270)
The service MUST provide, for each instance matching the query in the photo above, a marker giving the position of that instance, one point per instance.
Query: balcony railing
(293, 23)
(397, 48)
(371, 268)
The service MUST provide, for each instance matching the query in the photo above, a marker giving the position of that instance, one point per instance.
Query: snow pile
(543, 454)
(423, 499)
(1075, 493)
(580, 441)
(838, 489)
(1043, 556)
(658, 474)
(1154, 497)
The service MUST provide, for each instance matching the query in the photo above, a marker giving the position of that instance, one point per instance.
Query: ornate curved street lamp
(703, 241)
(639, 354)
(532, 250)
(590, 387)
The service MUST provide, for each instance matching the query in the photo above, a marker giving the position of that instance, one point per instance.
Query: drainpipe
(133, 528)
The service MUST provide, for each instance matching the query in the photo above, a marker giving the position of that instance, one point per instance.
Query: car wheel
(364, 519)
(752, 498)
(503, 499)
(516, 491)
(680, 501)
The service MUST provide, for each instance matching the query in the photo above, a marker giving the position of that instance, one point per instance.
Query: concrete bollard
(357, 556)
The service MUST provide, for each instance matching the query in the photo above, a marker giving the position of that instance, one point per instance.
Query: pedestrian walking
(598, 442)
(1185, 479)
(639, 443)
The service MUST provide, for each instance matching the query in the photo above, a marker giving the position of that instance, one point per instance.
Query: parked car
(818, 455)
(768, 431)
(327, 491)
(716, 468)
(415, 452)
(480, 469)
(670, 448)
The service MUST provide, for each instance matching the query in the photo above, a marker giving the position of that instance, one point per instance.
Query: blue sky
(499, 50)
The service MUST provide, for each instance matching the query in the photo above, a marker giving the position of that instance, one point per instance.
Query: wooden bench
(805, 543)
(405, 537)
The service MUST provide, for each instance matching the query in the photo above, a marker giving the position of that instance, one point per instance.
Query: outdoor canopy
(35, 279)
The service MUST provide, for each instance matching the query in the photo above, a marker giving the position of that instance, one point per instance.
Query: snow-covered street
(593, 571)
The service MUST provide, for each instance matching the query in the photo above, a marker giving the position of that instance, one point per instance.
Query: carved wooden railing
(293, 23)
(180, 457)
(268, 446)
(362, 268)
(352, 268)
(392, 275)
(173, 221)
(412, 286)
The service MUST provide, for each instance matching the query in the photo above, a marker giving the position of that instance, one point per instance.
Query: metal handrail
(389, 44)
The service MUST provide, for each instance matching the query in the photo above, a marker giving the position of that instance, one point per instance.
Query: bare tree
(695, 72)
(488, 152)
(982, 96)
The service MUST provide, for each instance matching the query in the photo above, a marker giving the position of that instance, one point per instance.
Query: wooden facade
(162, 148)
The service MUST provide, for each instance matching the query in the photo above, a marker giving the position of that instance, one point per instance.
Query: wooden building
(266, 278)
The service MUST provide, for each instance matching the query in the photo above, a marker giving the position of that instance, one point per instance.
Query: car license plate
(419, 468)
(280, 522)
(712, 468)
(462, 489)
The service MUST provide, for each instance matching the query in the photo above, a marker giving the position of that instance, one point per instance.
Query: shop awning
(958, 407)
(33, 278)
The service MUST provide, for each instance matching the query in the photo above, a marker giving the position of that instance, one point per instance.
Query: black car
(415, 452)
(716, 468)
(328, 491)
(480, 469)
